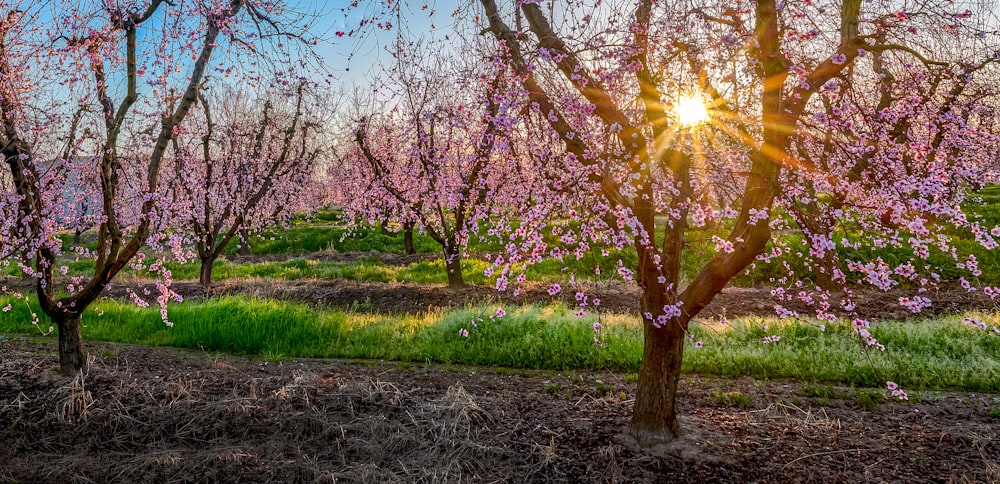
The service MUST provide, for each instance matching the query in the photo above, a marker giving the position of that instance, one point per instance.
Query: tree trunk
(72, 357)
(205, 273)
(453, 266)
(244, 245)
(654, 415)
(408, 247)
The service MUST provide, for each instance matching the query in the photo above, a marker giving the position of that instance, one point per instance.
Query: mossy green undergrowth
(930, 354)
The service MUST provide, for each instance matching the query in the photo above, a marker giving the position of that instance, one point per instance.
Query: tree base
(72, 356)
(457, 286)
(696, 442)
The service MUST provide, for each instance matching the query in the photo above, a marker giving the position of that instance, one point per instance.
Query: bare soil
(147, 414)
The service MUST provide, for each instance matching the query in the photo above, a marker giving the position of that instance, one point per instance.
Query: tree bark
(654, 415)
(453, 266)
(72, 357)
(408, 246)
(205, 272)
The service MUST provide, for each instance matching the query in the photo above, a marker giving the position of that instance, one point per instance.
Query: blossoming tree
(440, 159)
(128, 73)
(609, 87)
(247, 167)
(897, 167)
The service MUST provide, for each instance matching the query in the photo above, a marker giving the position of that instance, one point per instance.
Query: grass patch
(319, 235)
(367, 269)
(935, 354)
(869, 399)
(733, 399)
(925, 354)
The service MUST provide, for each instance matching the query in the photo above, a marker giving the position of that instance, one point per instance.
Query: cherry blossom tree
(103, 88)
(439, 159)
(607, 83)
(247, 169)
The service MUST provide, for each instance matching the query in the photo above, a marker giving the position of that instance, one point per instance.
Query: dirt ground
(166, 415)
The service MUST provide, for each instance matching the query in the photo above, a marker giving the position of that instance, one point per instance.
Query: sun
(691, 111)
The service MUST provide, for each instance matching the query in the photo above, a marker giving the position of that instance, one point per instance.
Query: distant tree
(439, 159)
(248, 167)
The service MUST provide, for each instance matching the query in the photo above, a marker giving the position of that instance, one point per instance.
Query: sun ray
(691, 111)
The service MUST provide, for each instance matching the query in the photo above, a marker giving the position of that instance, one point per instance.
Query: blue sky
(352, 59)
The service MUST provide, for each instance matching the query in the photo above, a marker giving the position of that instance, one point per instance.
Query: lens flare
(691, 111)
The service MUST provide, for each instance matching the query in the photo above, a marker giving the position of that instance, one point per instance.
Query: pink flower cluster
(896, 391)
(916, 303)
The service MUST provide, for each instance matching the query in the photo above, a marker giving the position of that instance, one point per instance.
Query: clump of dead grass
(216, 424)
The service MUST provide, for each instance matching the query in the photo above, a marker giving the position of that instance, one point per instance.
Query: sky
(356, 57)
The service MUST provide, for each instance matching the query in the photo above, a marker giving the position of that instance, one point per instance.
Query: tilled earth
(148, 414)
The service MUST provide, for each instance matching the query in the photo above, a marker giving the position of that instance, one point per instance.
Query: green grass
(924, 354)
(937, 354)
(305, 236)
(366, 269)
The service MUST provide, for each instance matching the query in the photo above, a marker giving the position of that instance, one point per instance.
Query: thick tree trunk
(205, 273)
(654, 415)
(408, 246)
(453, 266)
(72, 357)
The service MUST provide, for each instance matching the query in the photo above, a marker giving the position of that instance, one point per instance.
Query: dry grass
(361, 430)
(157, 415)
